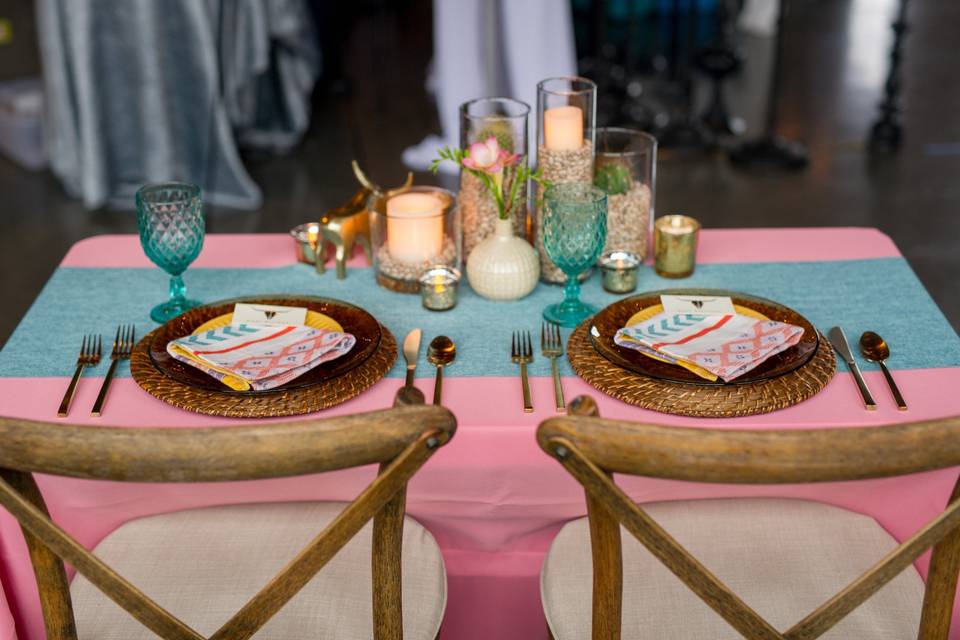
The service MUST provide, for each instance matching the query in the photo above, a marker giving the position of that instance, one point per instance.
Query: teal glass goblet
(574, 230)
(170, 219)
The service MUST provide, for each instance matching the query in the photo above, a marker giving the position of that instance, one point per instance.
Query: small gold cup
(675, 246)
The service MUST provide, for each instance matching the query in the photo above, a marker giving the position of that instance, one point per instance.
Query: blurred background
(769, 113)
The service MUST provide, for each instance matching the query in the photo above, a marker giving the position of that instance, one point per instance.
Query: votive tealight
(305, 238)
(620, 270)
(438, 288)
(675, 245)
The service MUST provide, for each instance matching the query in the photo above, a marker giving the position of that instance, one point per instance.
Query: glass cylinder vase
(505, 120)
(566, 129)
(625, 167)
(413, 230)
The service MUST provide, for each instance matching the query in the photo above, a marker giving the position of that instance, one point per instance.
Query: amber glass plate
(353, 319)
(608, 321)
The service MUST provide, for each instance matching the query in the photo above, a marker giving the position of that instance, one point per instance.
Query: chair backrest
(400, 440)
(593, 449)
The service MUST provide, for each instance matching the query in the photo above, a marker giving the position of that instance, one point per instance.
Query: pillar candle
(563, 128)
(414, 227)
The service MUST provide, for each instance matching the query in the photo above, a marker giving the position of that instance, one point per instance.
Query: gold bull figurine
(349, 223)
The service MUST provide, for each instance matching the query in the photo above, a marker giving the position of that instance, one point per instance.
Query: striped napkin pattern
(726, 346)
(260, 357)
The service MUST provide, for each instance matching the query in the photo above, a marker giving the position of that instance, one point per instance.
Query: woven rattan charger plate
(264, 404)
(696, 400)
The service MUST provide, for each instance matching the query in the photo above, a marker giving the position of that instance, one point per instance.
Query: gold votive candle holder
(438, 288)
(620, 270)
(305, 238)
(675, 245)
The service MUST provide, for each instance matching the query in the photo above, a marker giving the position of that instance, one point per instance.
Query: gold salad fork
(552, 347)
(122, 348)
(521, 352)
(89, 356)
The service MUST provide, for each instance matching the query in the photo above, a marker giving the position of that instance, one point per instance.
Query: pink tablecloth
(491, 498)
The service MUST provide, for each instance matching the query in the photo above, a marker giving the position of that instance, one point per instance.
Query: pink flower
(508, 159)
(487, 156)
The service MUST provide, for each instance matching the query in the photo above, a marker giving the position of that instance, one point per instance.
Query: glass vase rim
(596, 192)
(195, 190)
(451, 201)
(628, 132)
(524, 108)
(590, 86)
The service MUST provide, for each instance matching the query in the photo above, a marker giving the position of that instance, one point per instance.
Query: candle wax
(414, 227)
(563, 128)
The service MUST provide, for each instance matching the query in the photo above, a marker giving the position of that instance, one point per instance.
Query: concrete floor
(835, 63)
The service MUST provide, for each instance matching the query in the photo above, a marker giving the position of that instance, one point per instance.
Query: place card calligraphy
(269, 314)
(702, 305)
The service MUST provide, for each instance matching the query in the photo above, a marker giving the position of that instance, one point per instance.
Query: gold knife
(411, 352)
(839, 341)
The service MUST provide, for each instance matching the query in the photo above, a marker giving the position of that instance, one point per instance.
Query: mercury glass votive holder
(438, 288)
(675, 246)
(305, 238)
(620, 270)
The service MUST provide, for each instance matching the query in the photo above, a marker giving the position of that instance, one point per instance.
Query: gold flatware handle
(898, 398)
(102, 396)
(438, 385)
(557, 387)
(527, 402)
(71, 389)
(868, 400)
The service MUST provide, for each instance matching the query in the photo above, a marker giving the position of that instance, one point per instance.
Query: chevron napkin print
(725, 346)
(259, 356)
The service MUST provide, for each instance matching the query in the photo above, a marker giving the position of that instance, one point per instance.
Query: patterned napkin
(726, 346)
(259, 356)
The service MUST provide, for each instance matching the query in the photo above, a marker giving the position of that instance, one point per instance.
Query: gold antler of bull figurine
(349, 223)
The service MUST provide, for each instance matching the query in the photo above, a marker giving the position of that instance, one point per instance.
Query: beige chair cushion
(782, 557)
(202, 565)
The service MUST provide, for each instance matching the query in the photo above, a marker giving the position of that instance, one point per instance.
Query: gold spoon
(440, 353)
(874, 349)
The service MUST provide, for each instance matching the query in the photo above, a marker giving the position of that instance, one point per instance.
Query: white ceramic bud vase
(503, 267)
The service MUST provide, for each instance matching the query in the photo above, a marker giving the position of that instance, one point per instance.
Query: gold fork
(552, 347)
(521, 352)
(90, 350)
(122, 348)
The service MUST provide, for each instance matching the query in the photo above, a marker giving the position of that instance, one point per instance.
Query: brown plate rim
(266, 404)
(614, 357)
(184, 374)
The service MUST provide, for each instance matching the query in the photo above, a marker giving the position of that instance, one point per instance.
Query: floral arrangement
(501, 171)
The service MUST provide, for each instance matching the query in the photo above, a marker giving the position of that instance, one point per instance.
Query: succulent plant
(614, 178)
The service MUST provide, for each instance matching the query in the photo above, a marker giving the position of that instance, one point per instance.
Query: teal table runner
(881, 295)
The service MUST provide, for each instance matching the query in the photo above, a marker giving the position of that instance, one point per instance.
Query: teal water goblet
(574, 231)
(170, 219)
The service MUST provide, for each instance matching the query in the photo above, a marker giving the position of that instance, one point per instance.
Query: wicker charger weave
(287, 400)
(699, 400)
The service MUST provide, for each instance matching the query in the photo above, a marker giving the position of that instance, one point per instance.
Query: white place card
(244, 313)
(703, 305)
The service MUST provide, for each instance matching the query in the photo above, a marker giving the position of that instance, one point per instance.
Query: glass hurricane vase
(505, 120)
(574, 230)
(171, 224)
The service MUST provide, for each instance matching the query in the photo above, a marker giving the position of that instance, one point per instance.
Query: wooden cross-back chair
(592, 449)
(400, 440)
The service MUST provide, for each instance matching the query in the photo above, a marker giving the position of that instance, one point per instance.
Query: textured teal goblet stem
(178, 290)
(571, 293)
